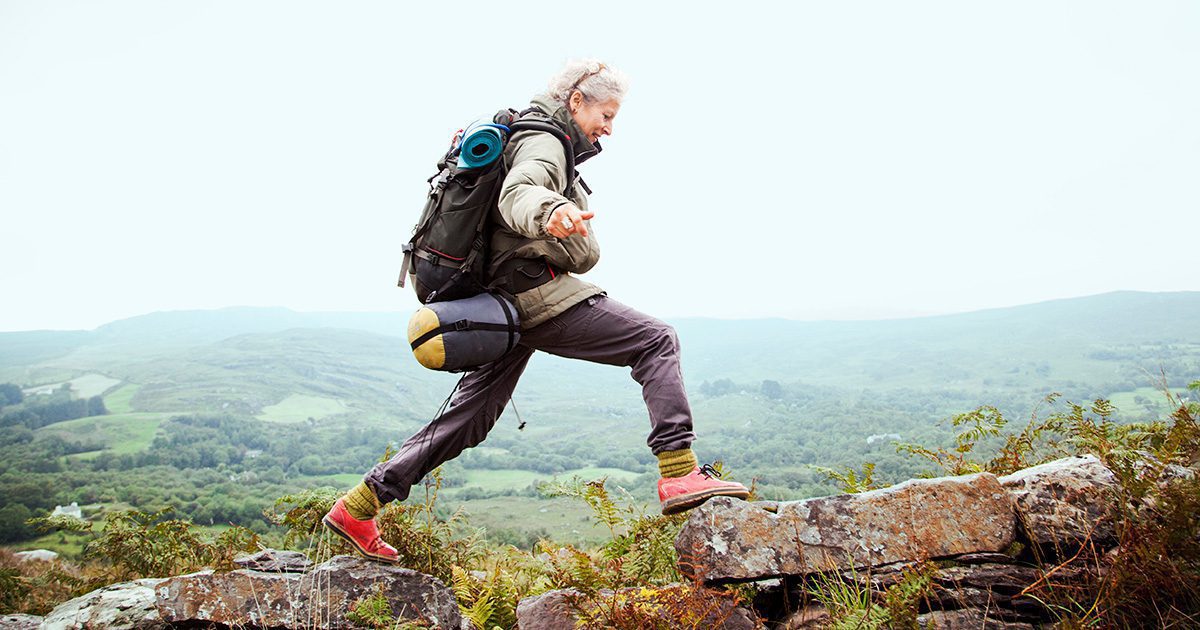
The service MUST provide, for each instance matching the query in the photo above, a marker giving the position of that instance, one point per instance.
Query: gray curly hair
(595, 80)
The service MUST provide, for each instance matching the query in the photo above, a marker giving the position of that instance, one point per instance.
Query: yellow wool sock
(676, 463)
(361, 502)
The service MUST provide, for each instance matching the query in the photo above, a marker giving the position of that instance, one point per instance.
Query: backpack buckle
(462, 325)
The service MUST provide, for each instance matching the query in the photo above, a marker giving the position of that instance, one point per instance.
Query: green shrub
(1153, 574)
(132, 544)
(632, 580)
(640, 550)
(36, 587)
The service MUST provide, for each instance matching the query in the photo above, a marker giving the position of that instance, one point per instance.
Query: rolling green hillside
(1081, 340)
(277, 400)
(1076, 340)
(19, 349)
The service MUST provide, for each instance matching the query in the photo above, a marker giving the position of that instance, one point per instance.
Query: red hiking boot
(704, 482)
(363, 535)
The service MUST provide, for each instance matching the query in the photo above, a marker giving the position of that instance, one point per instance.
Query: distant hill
(1062, 334)
(28, 348)
(1079, 340)
(198, 327)
(155, 332)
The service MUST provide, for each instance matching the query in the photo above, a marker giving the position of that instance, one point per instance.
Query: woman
(541, 241)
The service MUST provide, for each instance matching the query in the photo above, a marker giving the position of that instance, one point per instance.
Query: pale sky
(830, 160)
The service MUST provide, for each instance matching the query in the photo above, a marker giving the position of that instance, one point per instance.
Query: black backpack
(448, 252)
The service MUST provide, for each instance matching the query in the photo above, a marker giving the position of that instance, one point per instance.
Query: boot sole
(333, 527)
(689, 501)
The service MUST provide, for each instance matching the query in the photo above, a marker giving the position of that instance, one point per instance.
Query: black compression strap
(563, 138)
(445, 285)
(462, 324)
(508, 316)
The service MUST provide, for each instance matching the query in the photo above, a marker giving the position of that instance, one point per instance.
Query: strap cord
(466, 324)
(508, 316)
(521, 423)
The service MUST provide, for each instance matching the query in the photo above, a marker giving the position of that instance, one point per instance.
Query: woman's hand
(567, 220)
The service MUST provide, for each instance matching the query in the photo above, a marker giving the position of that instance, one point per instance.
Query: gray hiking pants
(598, 329)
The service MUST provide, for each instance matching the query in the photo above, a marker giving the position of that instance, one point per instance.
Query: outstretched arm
(529, 199)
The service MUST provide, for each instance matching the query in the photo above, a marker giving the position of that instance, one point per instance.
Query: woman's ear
(575, 101)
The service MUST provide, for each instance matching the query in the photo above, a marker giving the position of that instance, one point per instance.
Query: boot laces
(708, 470)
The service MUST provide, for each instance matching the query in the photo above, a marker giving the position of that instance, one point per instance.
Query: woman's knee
(662, 337)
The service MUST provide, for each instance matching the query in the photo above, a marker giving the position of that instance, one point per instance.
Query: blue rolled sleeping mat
(461, 335)
(481, 144)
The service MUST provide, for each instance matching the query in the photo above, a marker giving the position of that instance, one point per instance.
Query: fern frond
(480, 613)
(462, 585)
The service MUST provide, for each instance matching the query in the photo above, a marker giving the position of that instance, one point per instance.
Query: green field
(66, 544)
(117, 433)
(505, 479)
(298, 408)
(562, 520)
(84, 386)
(70, 545)
(120, 400)
(614, 474)
(1142, 401)
(345, 480)
(510, 479)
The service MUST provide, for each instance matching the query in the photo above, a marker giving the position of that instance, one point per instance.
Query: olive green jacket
(531, 191)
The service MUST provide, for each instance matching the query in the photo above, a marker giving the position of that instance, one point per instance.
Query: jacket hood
(584, 148)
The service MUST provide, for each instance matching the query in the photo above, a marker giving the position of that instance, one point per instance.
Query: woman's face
(595, 118)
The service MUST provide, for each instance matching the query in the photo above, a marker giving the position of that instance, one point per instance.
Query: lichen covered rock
(1064, 501)
(559, 610)
(274, 561)
(123, 606)
(20, 622)
(730, 540)
(320, 598)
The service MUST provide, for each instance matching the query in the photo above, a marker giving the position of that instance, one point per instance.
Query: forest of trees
(37, 412)
(776, 420)
(228, 468)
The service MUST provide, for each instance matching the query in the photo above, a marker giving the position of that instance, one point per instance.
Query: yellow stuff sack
(462, 335)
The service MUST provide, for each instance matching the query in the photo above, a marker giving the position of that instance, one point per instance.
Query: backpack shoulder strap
(533, 119)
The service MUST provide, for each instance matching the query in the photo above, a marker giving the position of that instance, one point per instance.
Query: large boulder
(320, 598)
(731, 540)
(124, 606)
(558, 609)
(1064, 502)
